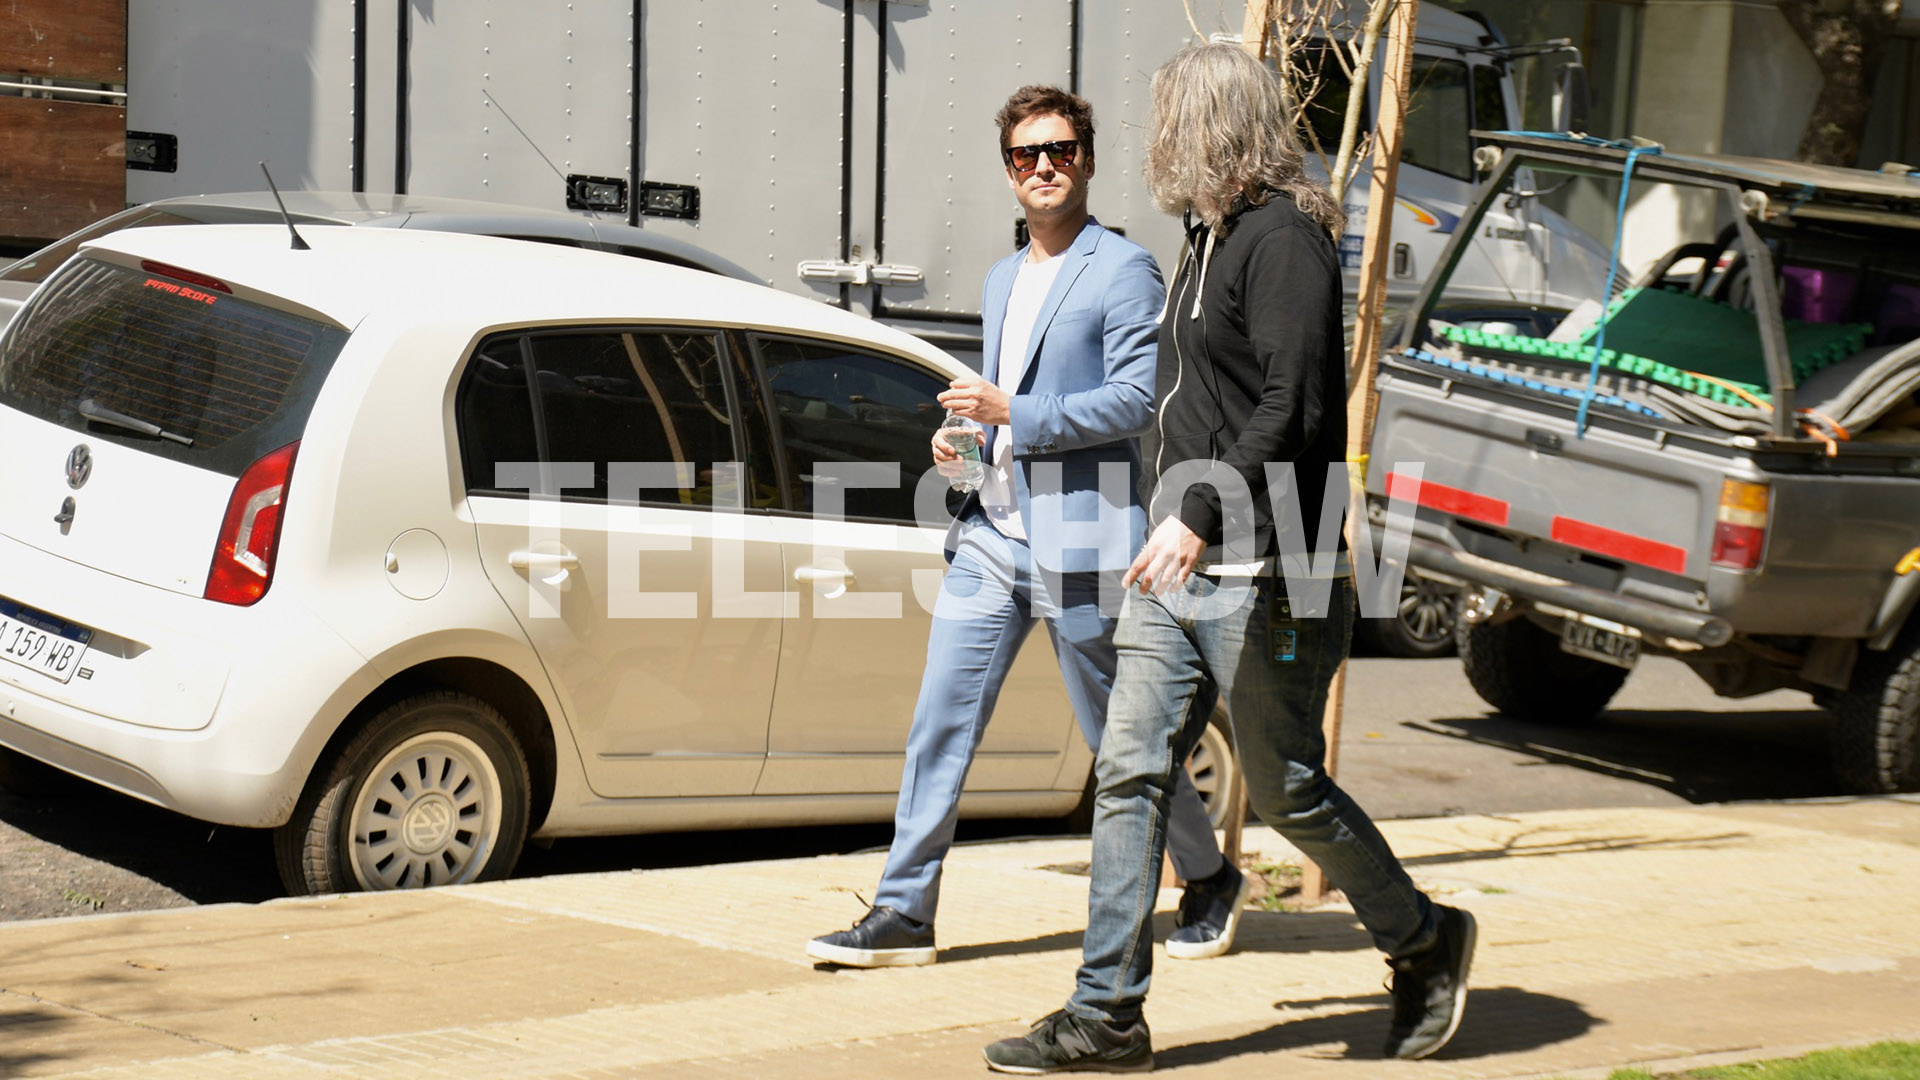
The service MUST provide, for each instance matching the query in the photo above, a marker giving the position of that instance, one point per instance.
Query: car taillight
(250, 533)
(1740, 524)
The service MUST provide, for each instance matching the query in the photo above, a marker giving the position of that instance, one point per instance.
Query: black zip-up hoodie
(1255, 373)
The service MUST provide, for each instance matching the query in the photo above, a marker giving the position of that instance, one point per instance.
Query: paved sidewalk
(1653, 937)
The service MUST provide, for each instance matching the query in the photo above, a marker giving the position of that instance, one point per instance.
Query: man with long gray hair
(1251, 380)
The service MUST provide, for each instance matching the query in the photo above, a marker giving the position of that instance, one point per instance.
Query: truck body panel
(842, 151)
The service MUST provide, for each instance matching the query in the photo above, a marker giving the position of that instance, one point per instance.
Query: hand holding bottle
(956, 453)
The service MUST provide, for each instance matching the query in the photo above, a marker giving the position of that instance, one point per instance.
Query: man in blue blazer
(1070, 326)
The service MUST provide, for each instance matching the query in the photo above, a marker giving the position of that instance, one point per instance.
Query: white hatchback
(412, 545)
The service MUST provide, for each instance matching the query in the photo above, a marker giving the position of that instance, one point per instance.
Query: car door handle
(554, 566)
(830, 583)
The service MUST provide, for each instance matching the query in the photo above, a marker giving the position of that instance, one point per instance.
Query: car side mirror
(1572, 101)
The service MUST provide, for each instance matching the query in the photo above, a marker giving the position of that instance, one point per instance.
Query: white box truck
(841, 149)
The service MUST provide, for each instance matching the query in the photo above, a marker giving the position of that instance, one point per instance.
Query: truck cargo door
(505, 101)
(63, 118)
(747, 105)
(945, 206)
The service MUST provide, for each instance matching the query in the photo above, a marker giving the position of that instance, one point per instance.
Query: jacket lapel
(993, 312)
(1077, 258)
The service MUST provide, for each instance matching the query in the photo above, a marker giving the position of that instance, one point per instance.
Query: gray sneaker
(1063, 1042)
(882, 938)
(1209, 915)
(1430, 989)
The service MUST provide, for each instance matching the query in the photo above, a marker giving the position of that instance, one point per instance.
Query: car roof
(385, 210)
(350, 275)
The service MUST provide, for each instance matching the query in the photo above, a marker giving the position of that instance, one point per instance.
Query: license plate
(40, 642)
(1610, 644)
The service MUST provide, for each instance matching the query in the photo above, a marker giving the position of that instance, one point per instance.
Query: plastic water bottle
(969, 472)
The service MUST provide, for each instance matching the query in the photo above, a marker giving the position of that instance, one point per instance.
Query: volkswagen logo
(79, 466)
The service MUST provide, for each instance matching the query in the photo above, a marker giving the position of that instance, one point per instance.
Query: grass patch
(1881, 1061)
(1274, 885)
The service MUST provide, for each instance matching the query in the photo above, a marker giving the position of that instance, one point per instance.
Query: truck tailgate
(1624, 501)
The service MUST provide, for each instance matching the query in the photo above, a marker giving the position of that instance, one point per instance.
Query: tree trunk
(1847, 39)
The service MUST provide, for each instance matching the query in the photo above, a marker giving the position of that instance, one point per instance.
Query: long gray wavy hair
(1221, 129)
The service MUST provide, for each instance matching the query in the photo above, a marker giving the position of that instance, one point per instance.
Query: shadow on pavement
(21, 1022)
(1499, 1020)
(1702, 756)
(206, 864)
(1260, 931)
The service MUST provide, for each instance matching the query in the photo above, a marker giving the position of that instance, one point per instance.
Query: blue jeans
(989, 602)
(1175, 657)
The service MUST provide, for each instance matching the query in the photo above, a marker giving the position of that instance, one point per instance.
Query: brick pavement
(1608, 938)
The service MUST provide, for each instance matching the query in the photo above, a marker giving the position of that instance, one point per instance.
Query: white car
(365, 210)
(268, 555)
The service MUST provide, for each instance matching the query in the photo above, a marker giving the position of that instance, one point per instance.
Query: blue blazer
(1085, 392)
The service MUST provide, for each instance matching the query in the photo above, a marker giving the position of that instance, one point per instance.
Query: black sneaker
(882, 938)
(1063, 1042)
(1430, 989)
(1209, 914)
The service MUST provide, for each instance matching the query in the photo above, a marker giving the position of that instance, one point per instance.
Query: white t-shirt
(1030, 288)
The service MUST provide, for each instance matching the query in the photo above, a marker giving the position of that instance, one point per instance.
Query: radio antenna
(298, 244)
(495, 102)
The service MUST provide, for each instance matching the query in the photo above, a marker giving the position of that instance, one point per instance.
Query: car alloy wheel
(1215, 768)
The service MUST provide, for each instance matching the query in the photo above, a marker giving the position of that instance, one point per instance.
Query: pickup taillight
(1740, 524)
(250, 532)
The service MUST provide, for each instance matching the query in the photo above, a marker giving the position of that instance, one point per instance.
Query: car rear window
(103, 349)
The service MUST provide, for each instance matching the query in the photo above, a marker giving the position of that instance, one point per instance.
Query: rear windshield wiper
(100, 414)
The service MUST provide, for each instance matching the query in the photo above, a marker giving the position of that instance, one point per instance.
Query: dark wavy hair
(1038, 100)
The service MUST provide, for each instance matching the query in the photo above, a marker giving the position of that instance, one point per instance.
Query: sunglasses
(1027, 158)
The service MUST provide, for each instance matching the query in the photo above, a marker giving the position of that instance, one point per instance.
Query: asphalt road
(1417, 742)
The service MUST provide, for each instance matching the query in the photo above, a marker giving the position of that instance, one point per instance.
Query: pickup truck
(1717, 459)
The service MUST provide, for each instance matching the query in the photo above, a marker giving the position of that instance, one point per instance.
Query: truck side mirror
(1572, 102)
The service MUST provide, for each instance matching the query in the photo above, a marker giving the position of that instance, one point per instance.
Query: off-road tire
(1875, 738)
(1519, 669)
(458, 753)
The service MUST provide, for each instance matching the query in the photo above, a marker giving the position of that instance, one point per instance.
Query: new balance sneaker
(1209, 914)
(882, 938)
(1063, 1042)
(1430, 989)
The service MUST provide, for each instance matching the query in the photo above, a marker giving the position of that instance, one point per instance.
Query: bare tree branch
(1343, 158)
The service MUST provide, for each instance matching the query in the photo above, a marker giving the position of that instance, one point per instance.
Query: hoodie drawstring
(1206, 259)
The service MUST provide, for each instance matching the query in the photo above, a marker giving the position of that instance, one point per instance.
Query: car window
(603, 397)
(1489, 102)
(1437, 119)
(217, 381)
(495, 414)
(1320, 74)
(831, 403)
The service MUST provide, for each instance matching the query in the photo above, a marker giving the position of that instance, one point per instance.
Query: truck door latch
(860, 273)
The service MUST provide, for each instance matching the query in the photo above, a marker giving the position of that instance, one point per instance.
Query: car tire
(1520, 669)
(1213, 765)
(1875, 738)
(432, 791)
(1422, 626)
